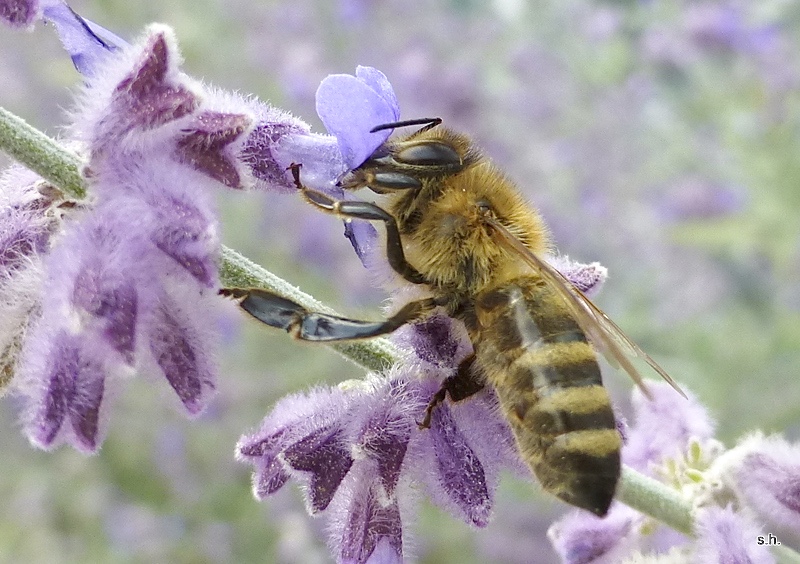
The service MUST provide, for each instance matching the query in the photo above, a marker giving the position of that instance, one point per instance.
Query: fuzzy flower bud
(764, 474)
(726, 536)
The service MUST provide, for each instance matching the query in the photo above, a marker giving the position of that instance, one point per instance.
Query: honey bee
(457, 225)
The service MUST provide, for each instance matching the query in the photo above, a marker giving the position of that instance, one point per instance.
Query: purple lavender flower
(349, 106)
(120, 286)
(764, 474)
(727, 536)
(86, 42)
(29, 218)
(359, 449)
(664, 427)
(580, 538)
(127, 276)
(19, 13)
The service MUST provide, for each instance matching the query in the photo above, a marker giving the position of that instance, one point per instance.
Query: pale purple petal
(90, 287)
(320, 156)
(66, 404)
(299, 418)
(150, 95)
(385, 433)
(270, 477)
(663, 426)
(203, 143)
(372, 532)
(258, 154)
(262, 451)
(461, 474)
(351, 106)
(376, 80)
(183, 350)
(113, 301)
(583, 538)
(433, 340)
(325, 455)
(26, 225)
(765, 473)
(726, 536)
(188, 234)
(362, 236)
(86, 42)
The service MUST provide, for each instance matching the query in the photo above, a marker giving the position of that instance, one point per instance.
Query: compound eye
(484, 206)
(431, 153)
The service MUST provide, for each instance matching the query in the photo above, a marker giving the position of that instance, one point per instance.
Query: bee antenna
(428, 123)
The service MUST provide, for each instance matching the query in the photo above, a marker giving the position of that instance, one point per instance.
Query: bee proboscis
(458, 226)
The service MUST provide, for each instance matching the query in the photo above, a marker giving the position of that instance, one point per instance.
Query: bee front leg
(277, 311)
(461, 385)
(369, 212)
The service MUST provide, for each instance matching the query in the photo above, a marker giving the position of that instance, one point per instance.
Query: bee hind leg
(277, 311)
(461, 385)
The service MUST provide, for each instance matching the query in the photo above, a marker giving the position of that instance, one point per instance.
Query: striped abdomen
(548, 382)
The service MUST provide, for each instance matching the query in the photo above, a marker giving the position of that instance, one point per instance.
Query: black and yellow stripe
(549, 385)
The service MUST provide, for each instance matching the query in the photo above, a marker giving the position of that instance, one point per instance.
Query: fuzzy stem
(655, 499)
(41, 154)
(240, 272)
(58, 165)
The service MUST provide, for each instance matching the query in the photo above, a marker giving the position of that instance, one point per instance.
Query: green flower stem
(56, 164)
(238, 271)
(41, 154)
(655, 499)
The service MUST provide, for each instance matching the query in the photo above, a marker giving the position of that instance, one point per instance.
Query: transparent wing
(605, 335)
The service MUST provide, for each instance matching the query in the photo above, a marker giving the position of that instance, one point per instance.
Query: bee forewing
(605, 335)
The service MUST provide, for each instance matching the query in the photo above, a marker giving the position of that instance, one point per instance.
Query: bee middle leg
(369, 212)
(277, 311)
(461, 385)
